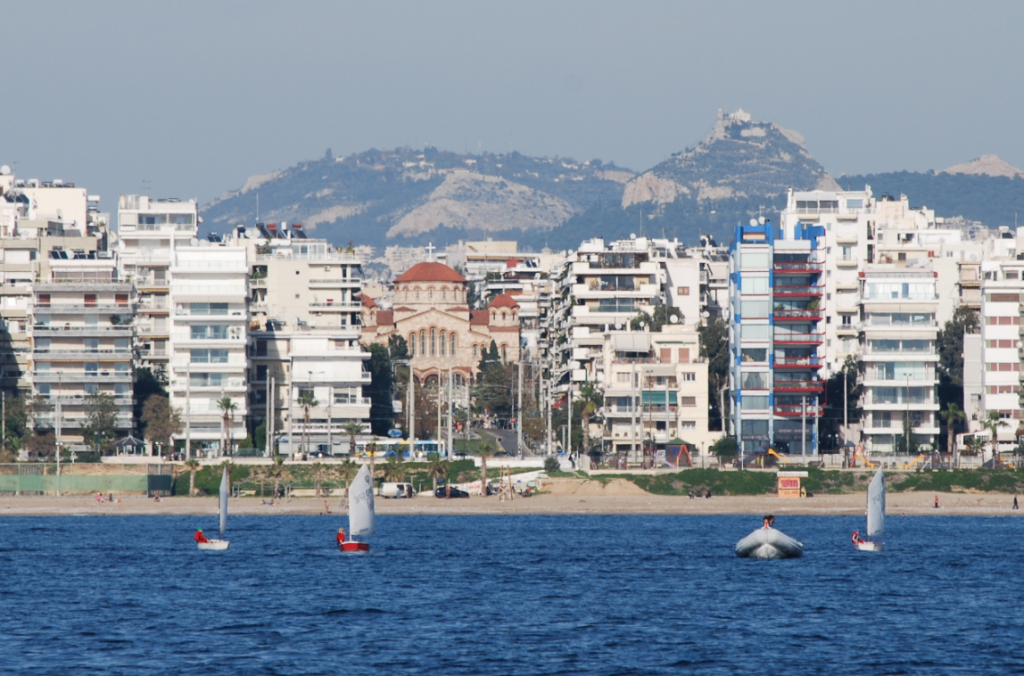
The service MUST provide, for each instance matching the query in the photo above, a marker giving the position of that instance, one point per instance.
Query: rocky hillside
(409, 197)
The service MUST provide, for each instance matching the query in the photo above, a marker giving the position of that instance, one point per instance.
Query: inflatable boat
(768, 543)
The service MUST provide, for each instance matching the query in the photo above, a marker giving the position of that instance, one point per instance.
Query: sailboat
(876, 514)
(220, 544)
(360, 512)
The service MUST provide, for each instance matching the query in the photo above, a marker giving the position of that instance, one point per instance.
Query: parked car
(442, 492)
(502, 454)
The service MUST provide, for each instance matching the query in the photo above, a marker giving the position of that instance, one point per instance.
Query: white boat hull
(768, 543)
(213, 545)
(870, 546)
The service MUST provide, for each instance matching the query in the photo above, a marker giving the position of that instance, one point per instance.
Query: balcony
(232, 384)
(80, 376)
(797, 268)
(154, 353)
(798, 291)
(799, 386)
(794, 338)
(332, 306)
(94, 308)
(335, 283)
(798, 315)
(82, 354)
(797, 410)
(83, 331)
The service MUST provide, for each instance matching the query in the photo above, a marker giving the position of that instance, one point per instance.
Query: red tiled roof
(430, 272)
(368, 302)
(504, 300)
(478, 318)
(511, 263)
(403, 309)
(385, 317)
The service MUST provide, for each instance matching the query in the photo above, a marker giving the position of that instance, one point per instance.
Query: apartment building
(208, 336)
(81, 335)
(304, 338)
(898, 364)
(1000, 341)
(655, 391)
(149, 231)
(775, 337)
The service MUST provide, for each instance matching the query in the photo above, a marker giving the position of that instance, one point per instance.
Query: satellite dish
(705, 314)
(753, 222)
(5, 170)
(761, 220)
(674, 319)
(618, 326)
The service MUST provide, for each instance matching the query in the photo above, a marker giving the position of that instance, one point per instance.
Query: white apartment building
(1000, 339)
(208, 336)
(149, 231)
(304, 338)
(898, 364)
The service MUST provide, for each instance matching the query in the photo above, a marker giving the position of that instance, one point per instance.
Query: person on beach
(199, 537)
(1015, 505)
(340, 537)
(936, 502)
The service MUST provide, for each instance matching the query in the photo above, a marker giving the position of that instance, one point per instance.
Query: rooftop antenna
(146, 183)
(257, 205)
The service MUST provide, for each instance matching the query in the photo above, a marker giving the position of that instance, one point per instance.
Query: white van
(391, 490)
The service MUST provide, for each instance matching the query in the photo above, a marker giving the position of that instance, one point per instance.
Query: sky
(187, 99)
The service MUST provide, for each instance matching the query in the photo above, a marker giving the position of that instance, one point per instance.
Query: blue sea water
(508, 595)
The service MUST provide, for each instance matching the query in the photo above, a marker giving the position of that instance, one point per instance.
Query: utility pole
(272, 418)
(547, 405)
(632, 410)
(845, 408)
(568, 421)
(803, 425)
(330, 436)
(188, 411)
(412, 410)
(519, 416)
(451, 412)
(3, 417)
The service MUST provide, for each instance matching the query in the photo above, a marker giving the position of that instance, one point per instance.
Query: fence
(85, 479)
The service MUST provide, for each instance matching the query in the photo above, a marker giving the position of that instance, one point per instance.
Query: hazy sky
(194, 97)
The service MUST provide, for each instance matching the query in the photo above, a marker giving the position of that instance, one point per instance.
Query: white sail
(225, 488)
(876, 505)
(360, 504)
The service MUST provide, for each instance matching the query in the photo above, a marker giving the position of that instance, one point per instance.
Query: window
(44, 299)
(452, 344)
(261, 372)
(214, 356)
(444, 343)
(754, 354)
(683, 291)
(121, 299)
(209, 308)
(208, 380)
(261, 348)
(755, 309)
(423, 343)
(687, 425)
(475, 352)
(754, 403)
(881, 419)
(666, 355)
(753, 285)
(209, 332)
(754, 260)
(687, 401)
(688, 377)
(90, 300)
(433, 342)
(622, 378)
(754, 331)
(684, 355)
(504, 353)
(754, 381)
(92, 369)
(412, 344)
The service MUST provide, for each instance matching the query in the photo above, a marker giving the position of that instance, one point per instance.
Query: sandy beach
(565, 497)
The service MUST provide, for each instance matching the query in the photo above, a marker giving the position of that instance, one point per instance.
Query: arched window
(504, 353)
(430, 293)
(423, 343)
(444, 293)
(417, 293)
(475, 352)
(444, 343)
(494, 316)
(433, 342)
(453, 345)
(412, 344)
(502, 316)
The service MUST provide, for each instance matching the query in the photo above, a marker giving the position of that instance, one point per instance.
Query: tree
(907, 442)
(227, 408)
(260, 436)
(276, 471)
(346, 471)
(145, 385)
(485, 450)
(832, 419)
(371, 448)
(16, 422)
(352, 429)
(950, 347)
(381, 385)
(714, 348)
(394, 469)
(725, 449)
(40, 445)
(192, 465)
(100, 424)
(437, 468)
(991, 424)
(160, 421)
(306, 402)
(588, 403)
(952, 415)
(37, 407)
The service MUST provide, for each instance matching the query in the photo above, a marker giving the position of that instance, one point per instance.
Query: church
(431, 312)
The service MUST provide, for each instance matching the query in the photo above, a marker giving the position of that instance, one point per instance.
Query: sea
(508, 595)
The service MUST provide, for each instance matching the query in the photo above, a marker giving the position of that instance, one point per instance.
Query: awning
(633, 342)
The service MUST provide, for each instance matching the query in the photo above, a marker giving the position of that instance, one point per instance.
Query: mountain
(988, 165)
(409, 197)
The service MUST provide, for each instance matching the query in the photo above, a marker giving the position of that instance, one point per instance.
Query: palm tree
(394, 470)
(192, 465)
(346, 471)
(952, 415)
(276, 472)
(590, 400)
(436, 468)
(992, 423)
(318, 476)
(485, 451)
(228, 408)
(371, 448)
(352, 429)
(306, 402)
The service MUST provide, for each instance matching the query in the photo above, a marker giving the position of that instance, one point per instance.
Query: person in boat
(856, 538)
(340, 537)
(771, 521)
(199, 537)
(766, 522)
